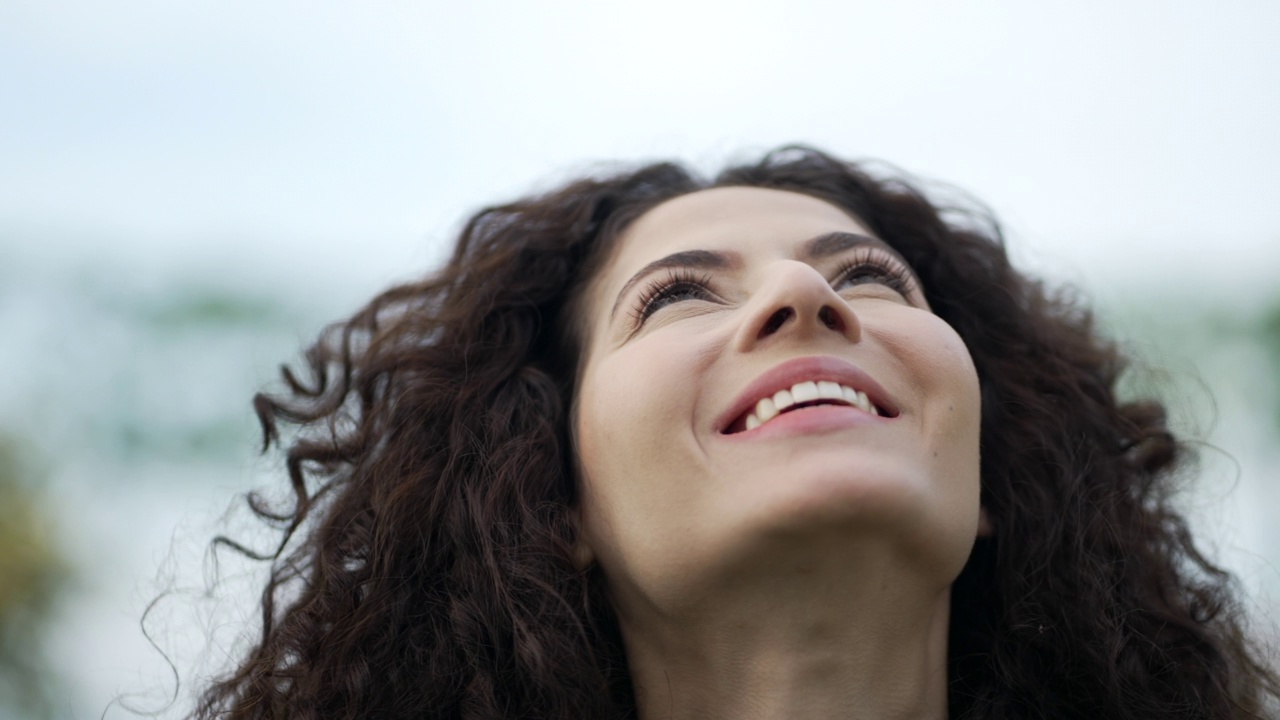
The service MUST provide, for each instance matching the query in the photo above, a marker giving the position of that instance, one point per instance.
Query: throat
(810, 659)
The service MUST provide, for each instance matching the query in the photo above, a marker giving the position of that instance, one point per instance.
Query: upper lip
(784, 375)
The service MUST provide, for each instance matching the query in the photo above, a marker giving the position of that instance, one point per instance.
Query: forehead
(737, 218)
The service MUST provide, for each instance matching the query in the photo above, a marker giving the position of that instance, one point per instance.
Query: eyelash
(668, 288)
(884, 270)
(864, 263)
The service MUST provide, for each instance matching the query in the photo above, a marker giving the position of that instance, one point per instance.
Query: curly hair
(425, 565)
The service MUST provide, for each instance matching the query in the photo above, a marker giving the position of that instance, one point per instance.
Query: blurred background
(190, 191)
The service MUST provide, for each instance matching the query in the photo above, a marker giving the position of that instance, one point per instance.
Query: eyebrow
(698, 259)
(817, 248)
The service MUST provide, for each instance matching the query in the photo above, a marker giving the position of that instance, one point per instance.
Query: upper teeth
(769, 408)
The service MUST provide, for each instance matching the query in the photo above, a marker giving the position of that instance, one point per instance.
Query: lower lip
(808, 421)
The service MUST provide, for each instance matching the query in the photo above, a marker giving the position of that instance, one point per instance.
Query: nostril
(776, 321)
(830, 318)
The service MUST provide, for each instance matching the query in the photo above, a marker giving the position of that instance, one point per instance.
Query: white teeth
(783, 399)
(829, 390)
(766, 410)
(865, 403)
(770, 407)
(805, 391)
(849, 394)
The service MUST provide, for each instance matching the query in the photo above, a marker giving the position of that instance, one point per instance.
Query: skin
(802, 573)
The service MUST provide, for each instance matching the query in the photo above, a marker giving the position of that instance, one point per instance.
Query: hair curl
(425, 566)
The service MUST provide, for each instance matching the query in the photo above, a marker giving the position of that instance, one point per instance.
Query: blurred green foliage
(1268, 334)
(32, 574)
(209, 309)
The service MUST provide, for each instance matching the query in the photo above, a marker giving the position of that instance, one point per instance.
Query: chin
(885, 503)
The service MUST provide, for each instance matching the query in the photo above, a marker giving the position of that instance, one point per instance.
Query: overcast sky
(1119, 141)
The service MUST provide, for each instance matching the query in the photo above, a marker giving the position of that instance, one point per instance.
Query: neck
(822, 642)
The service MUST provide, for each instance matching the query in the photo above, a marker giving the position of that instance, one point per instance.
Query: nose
(796, 301)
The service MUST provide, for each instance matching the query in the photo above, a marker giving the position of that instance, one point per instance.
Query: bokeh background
(189, 191)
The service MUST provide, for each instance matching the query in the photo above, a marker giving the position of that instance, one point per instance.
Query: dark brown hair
(425, 565)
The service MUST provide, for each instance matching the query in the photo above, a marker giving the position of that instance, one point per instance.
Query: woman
(791, 443)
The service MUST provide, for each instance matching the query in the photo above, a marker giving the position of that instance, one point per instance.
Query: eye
(869, 266)
(678, 286)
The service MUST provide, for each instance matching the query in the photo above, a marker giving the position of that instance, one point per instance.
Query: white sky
(1121, 142)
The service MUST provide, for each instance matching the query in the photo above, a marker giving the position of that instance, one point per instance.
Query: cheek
(646, 392)
(636, 446)
(954, 423)
(627, 404)
(941, 372)
(945, 389)
(956, 379)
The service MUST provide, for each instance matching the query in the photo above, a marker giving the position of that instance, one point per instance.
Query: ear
(583, 555)
(984, 523)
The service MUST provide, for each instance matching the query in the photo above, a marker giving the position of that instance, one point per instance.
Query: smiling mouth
(800, 396)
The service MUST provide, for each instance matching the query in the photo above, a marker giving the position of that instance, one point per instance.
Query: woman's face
(705, 455)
